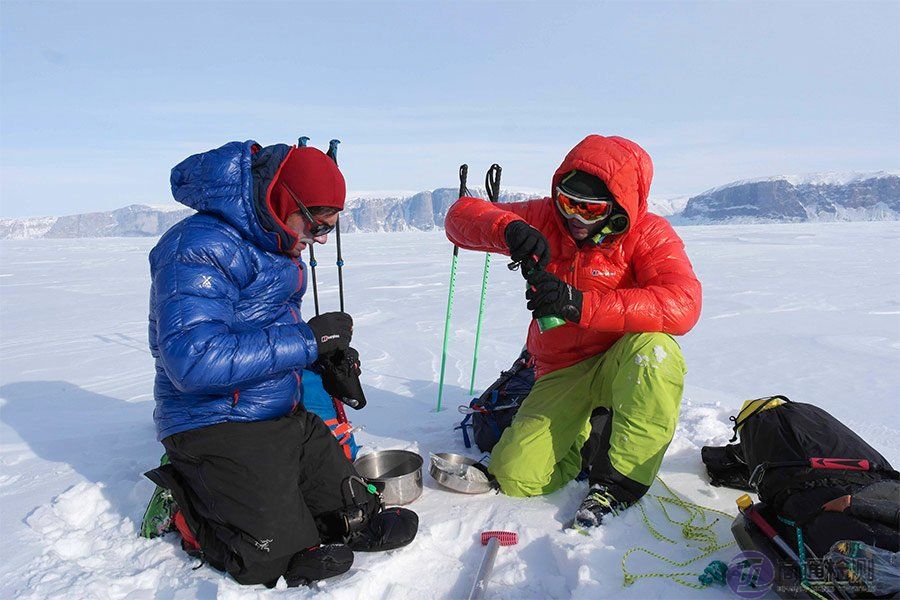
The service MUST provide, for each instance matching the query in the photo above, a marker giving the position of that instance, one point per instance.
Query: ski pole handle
(463, 176)
(492, 183)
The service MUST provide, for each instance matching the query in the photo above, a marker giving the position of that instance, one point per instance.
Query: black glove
(340, 377)
(332, 331)
(548, 295)
(527, 244)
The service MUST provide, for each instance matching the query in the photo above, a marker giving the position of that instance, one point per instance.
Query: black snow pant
(261, 490)
(595, 460)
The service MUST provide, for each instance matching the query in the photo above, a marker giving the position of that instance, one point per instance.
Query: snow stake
(492, 186)
(463, 174)
(493, 540)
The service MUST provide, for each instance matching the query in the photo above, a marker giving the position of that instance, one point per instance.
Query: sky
(99, 100)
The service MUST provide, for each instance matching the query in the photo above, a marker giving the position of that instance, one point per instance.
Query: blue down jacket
(225, 322)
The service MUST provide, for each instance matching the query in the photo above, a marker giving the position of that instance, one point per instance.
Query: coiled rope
(697, 527)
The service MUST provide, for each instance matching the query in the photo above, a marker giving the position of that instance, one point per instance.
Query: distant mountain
(822, 197)
(422, 210)
(392, 211)
(136, 220)
(819, 197)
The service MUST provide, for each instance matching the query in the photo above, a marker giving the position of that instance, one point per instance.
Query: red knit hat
(313, 177)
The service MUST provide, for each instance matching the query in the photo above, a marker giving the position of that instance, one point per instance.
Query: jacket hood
(624, 166)
(221, 182)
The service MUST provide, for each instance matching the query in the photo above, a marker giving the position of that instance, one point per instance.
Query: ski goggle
(316, 228)
(586, 210)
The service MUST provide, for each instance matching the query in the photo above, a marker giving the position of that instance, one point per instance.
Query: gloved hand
(332, 331)
(340, 377)
(527, 244)
(549, 295)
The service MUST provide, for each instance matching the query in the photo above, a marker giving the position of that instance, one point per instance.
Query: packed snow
(811, 311)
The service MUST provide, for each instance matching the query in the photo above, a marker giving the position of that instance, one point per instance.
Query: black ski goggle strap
(739, 420)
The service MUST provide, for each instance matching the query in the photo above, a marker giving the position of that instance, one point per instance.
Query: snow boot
(318, 562)
(159, 516)
(390, 529)
(598, 503)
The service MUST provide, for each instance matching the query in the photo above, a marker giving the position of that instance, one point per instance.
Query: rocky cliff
(828, 197)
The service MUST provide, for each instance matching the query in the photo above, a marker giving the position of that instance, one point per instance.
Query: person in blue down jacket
(262, 487)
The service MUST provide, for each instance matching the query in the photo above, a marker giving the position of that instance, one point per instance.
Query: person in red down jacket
(618, 279)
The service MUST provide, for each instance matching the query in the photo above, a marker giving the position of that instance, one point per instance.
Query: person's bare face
(297, 223)
(577, 229)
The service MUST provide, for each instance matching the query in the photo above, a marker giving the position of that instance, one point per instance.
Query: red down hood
(624, 166)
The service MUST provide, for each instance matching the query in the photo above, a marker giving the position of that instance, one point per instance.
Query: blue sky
(99, 100)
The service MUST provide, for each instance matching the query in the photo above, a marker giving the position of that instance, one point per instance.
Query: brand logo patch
(325, 338)
(599, 273)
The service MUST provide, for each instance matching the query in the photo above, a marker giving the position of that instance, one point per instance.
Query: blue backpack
(492, 412)
(317, 400)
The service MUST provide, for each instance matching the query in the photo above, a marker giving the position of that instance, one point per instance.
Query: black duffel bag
(798, 457)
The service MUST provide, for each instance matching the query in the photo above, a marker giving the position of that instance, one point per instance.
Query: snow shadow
(106, 440)
(390, 414)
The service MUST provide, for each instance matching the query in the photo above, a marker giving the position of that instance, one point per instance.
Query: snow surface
(811, 311)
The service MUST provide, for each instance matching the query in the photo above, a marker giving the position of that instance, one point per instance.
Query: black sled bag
(790, 447)
(797, 457)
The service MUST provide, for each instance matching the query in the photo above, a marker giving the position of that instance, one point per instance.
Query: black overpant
(259, 486)
(595, 460)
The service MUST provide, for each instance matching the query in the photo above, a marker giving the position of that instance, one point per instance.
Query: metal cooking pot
(396, 474)
(448, 469)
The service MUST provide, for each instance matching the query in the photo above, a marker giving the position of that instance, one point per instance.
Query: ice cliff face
(132, 221)
(391, 212)
(823, 197)
(423, 211)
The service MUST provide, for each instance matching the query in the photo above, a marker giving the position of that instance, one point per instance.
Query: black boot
(598, 503)
(318, 562)
(391, 528)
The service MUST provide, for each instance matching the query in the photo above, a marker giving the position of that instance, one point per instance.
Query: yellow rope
(697, 527)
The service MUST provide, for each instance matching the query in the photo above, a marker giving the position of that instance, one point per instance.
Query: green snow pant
(639, 379)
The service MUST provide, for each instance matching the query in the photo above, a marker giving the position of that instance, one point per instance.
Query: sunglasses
(586, 210)
(316, 228)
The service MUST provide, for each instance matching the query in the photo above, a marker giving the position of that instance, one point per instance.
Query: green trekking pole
(463, 174)
(492, 186)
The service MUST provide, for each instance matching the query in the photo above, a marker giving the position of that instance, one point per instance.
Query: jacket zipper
(575, 268)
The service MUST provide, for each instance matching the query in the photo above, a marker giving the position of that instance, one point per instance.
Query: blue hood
(220, 183)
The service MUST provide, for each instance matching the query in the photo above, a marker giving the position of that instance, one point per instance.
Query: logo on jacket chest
(602, 273)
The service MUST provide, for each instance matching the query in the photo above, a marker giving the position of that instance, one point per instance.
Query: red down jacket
(638, 281)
